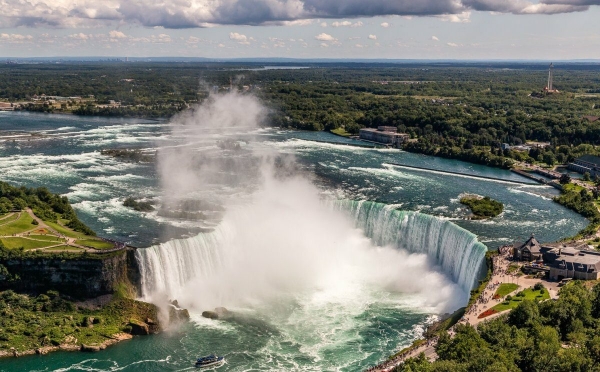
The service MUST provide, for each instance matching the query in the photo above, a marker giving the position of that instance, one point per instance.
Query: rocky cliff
(81, 277)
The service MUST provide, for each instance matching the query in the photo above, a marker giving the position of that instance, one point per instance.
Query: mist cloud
(202, 13)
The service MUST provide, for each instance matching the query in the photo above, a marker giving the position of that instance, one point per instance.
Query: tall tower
(550, 77)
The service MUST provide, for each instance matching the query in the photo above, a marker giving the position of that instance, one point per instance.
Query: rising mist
(282, 241)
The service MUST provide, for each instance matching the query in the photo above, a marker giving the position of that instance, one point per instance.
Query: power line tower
(549, 88)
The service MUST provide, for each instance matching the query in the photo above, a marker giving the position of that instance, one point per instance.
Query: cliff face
(78, 277)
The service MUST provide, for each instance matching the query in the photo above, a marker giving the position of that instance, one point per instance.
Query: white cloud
(324, 45)
(80, 36)
(385, 25)
(323, 24)
(242, 39)
(464, 17)
(116, 35)
(325, 37)
(435, 38)
(373, 37)
(15, 38)
(347, 24)
(452, 44)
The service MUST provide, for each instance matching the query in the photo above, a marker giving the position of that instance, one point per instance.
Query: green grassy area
(506, 288)
(95, 243)
(66, 248)
(66, 231)
(513, 268)
(528, 294)
(48, 238)
(7, 219)
(573, 187)
(27, 322)
(341, 132)
(14, 243)
(24, 223)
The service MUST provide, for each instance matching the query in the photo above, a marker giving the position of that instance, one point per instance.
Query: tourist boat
(210, 361)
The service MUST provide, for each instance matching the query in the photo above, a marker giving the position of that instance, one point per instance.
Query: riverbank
(48, 323)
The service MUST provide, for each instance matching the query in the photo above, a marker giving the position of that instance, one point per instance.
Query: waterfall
(168, 267)
(456, 250)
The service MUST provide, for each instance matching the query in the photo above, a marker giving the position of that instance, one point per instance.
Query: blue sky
(422, 29)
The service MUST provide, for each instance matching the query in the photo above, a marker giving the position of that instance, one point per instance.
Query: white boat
(211, 361)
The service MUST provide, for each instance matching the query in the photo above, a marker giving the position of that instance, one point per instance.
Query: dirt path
(11, 221)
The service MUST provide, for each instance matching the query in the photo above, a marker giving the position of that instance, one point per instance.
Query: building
(575, 264)
(384, 135)
(586, 163)
(529, 251)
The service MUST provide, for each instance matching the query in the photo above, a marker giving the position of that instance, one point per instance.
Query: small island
(140, 206)
(482, 207)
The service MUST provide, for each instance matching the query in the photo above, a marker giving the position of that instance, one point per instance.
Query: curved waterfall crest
(168, 267)
(456, 250)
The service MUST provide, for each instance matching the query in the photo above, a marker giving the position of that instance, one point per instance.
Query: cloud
(325, 37)
(385, 25)
(116, 35)
(435, 38)
(347, 24)
(373, 37)
(324, 45)
(203, 13)
(452, 44)
(242, 39)
(15, 38)
(80, 36)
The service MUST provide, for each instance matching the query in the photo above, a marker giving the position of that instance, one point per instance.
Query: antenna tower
(550, 77)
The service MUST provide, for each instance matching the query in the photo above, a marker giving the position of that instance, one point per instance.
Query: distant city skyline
(382, 29)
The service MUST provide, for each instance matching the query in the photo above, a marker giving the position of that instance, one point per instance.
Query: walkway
(68, 241)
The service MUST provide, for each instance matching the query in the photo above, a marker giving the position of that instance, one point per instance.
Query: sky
(394, 29)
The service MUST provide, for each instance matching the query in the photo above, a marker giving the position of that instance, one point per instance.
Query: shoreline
(113, 340)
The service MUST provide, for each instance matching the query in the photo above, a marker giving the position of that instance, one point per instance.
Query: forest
(458, 110)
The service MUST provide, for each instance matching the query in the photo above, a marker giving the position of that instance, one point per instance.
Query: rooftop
(590, 159)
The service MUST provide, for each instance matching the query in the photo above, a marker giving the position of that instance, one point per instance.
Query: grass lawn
(506, 288)
(513, 268)
(95, 243)
(341, 132)
(573, 187)
(8, 218)
(530, 294)
(66, 231)
(13, 243)
(65, 248)
(48, 238)
(21, 225)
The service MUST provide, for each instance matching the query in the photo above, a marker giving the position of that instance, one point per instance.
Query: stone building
(529, 251)
(586, 163)
(384, 135)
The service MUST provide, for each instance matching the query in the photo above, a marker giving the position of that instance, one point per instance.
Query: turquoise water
(327, 328)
